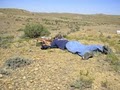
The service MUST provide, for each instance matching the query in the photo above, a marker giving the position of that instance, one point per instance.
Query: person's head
(44, 41)
(58, 36)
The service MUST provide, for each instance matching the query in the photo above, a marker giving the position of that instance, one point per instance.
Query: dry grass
(54, 68)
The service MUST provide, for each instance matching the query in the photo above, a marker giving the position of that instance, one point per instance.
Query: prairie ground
(56, 69)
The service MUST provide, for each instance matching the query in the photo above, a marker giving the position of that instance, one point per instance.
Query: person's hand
(44, 47)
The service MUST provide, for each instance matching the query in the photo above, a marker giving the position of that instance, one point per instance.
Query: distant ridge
(93, 18)
(22, 11)
(14, 11)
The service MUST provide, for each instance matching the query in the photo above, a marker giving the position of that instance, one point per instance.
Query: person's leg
(95, 48)
(87, 52)
(80, 49)
(74, 46)
(100, 48)
(87, 55)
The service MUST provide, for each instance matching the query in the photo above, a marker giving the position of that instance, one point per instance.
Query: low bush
(16, 62)
(35, 30)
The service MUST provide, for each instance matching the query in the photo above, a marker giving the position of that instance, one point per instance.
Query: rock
(1, 75)
(27, 83)
(36, 69)
(58, 88)
(30, 50)
(24, 77)
(31, 81)
(47, 79)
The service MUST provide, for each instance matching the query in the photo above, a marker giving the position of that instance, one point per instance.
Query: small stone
(10, 87)
(31, 81)
(58, 88)
(1, 75)
(48, 80)
(29, 50)
(24, 77)
(36, 69)
(27, 83)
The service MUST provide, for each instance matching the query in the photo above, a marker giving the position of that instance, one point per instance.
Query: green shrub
(35, 30)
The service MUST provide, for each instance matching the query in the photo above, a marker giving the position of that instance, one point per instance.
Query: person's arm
(52, 45)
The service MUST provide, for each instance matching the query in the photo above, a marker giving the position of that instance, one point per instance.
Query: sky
(65, 6)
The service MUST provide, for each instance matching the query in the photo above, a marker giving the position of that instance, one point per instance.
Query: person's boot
(87, 55)
(106, 50)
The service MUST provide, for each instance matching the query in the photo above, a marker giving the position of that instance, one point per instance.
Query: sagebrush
(35, 30)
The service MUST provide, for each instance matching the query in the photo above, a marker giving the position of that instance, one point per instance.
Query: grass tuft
(85, 81)
(114, 61)
(5, 41)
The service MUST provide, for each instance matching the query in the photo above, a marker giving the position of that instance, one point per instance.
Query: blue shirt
(59, 43)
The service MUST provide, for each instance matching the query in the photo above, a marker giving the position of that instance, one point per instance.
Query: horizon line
(31, 11)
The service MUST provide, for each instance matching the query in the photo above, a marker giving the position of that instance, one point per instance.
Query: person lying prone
(85, 51)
